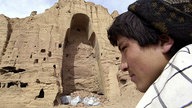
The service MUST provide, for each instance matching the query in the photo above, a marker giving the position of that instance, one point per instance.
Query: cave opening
(80, 69)
(13, 69)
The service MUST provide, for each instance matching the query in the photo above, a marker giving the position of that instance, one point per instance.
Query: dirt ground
(128, 99)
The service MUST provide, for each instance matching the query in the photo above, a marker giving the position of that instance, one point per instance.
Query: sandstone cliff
(62, 51)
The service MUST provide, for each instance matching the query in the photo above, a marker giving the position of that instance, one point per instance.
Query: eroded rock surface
(61, 51)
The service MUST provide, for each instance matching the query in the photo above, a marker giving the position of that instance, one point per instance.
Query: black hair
(133, 27)
(130, 26)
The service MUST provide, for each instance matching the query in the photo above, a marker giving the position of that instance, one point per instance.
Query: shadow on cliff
(76, 40)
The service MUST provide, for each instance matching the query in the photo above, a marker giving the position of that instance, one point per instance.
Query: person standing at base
(155, 41)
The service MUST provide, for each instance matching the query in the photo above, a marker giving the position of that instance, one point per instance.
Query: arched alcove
(80, 23)
(80, 69)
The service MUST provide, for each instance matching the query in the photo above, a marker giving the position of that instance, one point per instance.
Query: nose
(123, 66)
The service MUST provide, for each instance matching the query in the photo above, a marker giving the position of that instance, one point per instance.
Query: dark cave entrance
(80, 69)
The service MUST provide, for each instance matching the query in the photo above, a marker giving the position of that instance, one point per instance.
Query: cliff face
(63, 50)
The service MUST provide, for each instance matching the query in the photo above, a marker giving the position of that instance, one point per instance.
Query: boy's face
(144, 64)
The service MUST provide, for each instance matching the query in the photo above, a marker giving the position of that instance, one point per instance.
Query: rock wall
(63, 50)
(5, 34)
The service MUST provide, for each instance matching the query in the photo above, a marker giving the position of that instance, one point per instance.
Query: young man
(154, 38)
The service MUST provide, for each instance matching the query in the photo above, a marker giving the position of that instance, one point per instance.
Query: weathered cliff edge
(63, 50)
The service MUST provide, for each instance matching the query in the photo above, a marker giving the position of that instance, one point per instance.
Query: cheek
(129, 56)
(136, 62)
(146, 78)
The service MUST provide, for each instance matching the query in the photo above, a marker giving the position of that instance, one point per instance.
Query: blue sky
(23, 8)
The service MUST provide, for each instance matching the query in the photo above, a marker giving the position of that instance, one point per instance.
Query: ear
(166, 44)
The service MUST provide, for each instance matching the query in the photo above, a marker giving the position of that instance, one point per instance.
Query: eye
(123, 48)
